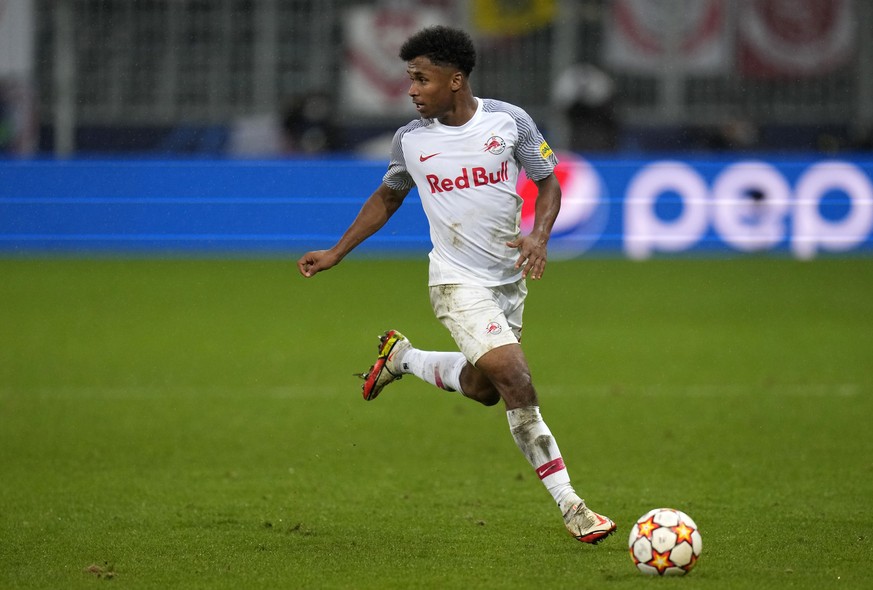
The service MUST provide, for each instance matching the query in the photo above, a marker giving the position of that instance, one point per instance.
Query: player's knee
(491, 399)
(513, 382)
(518, 391)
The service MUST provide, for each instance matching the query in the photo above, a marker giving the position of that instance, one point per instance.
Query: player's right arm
(375, 212)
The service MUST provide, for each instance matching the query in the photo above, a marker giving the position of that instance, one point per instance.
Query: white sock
(538, 445)
(442, 369)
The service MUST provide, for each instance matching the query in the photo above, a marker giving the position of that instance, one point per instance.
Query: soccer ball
(665, 542)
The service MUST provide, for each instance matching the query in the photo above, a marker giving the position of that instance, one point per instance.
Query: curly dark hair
(443, 46)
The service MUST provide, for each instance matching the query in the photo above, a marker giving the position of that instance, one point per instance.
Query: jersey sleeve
(397, 176)
(532, 151)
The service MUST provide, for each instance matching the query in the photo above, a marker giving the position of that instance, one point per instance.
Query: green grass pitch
(196, 424)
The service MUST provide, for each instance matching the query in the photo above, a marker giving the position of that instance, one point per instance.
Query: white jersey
(466, 177)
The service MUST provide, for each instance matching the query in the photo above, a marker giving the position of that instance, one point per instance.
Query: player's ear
(457, 81)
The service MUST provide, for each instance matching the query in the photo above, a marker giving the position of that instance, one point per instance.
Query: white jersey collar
(467, 125)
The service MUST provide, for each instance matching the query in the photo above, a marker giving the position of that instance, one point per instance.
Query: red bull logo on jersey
(476, 176)
(495, 145)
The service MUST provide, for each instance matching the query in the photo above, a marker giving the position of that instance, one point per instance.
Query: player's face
(433, 87)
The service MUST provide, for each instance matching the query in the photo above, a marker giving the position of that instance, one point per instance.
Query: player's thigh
(474, 317)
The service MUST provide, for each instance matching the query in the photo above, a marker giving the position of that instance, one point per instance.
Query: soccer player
(464, 153)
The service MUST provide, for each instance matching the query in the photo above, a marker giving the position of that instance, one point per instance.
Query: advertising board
(639, 208)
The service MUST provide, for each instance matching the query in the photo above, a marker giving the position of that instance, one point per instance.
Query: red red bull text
(477, 175)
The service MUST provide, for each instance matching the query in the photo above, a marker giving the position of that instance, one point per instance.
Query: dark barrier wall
(804, 207)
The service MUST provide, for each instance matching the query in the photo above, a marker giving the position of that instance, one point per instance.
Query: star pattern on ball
(683, 532)
(660, 561)
(648, 527)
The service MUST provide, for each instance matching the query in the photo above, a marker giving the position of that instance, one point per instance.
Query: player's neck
(462, 111)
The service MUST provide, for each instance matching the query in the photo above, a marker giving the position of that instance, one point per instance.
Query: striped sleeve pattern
(397, 176)
(532, 151)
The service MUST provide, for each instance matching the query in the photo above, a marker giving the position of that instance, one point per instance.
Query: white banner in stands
(375, 80)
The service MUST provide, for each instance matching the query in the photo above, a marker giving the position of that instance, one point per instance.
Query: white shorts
(480, 319)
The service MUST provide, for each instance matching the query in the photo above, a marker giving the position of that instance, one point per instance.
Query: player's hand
(532, 256)
(314, 262)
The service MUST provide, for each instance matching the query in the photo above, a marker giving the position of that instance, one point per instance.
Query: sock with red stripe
(536, 442)
(442, 369)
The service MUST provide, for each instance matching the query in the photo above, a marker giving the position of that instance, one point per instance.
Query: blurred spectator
(734, 134)
(586, 96)
(18, 135)
(303, 126)
(308, 127)
(862, 138)
(6, 123)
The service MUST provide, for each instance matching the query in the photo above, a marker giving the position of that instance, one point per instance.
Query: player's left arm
(533, 248)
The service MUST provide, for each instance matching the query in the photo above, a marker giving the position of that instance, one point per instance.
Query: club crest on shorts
(493, 329)
(495, 145)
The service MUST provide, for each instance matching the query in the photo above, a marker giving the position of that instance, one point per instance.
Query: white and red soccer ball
(665, 542)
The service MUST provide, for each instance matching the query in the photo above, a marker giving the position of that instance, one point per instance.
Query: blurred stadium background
(181, 76)
(625, 83)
